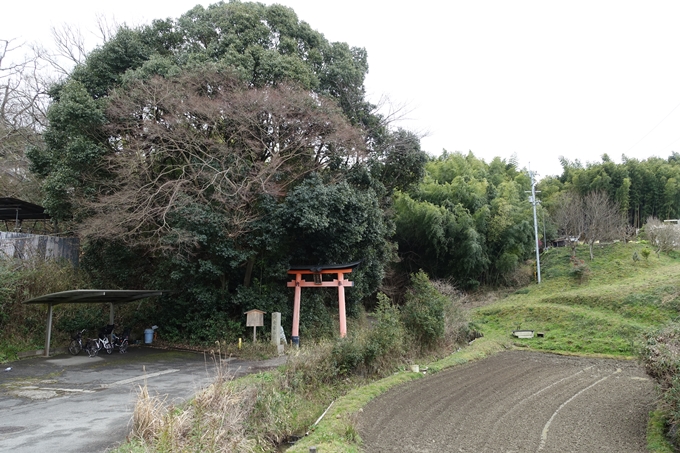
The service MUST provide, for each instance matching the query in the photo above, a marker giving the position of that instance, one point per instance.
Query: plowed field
(516, 401)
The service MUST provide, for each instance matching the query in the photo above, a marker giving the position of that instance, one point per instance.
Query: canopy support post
(48, 330)
(111, 312)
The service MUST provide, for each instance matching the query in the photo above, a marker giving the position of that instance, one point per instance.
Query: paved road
(516, 401)
(80, 404)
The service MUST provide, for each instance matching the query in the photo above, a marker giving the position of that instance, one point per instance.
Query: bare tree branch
(23, 106)
(592, 218)
(204, 143)
(603, 219)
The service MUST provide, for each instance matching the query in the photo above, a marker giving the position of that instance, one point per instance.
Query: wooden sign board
(255, 318)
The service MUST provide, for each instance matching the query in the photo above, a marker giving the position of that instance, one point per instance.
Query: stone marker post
(276, 331)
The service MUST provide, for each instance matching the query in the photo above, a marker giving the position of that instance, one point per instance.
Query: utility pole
(533, 201)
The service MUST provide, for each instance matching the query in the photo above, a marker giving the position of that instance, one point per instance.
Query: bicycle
(76, 344)
(122, 342)
(94, 345)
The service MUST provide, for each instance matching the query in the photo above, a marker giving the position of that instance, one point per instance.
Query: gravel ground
(516, 401)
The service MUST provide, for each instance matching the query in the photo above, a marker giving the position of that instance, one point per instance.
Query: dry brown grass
(214, 421)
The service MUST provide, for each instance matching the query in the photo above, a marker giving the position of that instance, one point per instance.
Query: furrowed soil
(516, 401)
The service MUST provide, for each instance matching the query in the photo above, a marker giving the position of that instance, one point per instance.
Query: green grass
(656, 441)
(604, 315)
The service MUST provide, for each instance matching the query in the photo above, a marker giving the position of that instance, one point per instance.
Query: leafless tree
(603, 220)
(204, 142)
(69, 49)
(663, 236)
(592, 218)
(23, 106)
(568, 216)
(107, 27)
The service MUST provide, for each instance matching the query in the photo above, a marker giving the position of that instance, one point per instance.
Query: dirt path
(516, 401)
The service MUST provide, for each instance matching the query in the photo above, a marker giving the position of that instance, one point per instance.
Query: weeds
(212, 422)
(22, 327)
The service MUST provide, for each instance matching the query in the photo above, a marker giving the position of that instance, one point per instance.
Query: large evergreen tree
(220, 146)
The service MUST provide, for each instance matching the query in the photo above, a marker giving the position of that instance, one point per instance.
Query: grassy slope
(602, 316)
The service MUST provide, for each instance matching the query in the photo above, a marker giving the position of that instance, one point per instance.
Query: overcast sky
(535, 79)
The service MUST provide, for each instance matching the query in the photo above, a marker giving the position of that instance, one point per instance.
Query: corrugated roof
(88, 296)
(11, 208)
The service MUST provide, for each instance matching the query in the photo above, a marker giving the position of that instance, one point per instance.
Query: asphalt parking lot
(82, 404)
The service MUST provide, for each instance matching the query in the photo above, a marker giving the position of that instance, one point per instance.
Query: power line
(652, 129)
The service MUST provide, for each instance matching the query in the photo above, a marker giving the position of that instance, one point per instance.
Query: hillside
(589, 307)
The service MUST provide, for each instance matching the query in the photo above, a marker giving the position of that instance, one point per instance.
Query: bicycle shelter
(318, 273)
(89, 296)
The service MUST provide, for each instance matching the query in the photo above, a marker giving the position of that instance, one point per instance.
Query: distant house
(564, 241)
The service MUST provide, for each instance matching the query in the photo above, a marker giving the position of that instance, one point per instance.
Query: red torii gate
(318, 272)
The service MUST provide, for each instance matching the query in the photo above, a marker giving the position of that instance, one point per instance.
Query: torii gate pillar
(318, 272)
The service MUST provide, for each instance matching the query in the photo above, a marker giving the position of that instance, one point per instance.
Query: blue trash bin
(148, 336)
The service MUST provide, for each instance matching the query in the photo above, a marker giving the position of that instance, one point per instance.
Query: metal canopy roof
(89, 296)
(13, 209)
(322, 267)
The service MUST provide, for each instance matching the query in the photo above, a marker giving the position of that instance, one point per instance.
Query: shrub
(665, 237)
(645, 253)
(579, 270)
(456, 323)
(385, 340)
(423, 312)
(348, 355)
(521, 276)
(22, 327)
(660, 354)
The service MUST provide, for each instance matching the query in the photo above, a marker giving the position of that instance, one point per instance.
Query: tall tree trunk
(249, 272)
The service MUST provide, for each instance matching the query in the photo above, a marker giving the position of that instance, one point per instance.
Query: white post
(533, 202)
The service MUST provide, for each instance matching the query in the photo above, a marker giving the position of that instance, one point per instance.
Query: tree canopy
(215, 149)
(468, 221)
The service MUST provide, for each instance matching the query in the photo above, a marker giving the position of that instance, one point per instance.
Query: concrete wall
(25, 246)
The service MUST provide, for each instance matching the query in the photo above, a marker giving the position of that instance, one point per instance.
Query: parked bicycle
(94, 345)
(121, 342)
(76, 344)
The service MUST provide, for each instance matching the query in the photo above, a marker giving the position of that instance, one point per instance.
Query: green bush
(579, 270)
(424, 311)
(348, 355)
(386, 337)
(660, 354)
(645, 253)
(22, 327)
(317, 318)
